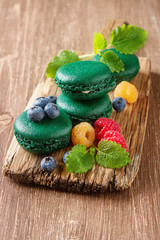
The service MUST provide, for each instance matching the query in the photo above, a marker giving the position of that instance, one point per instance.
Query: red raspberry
(103, 125)
(115, 137)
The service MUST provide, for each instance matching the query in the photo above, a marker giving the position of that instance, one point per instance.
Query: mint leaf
(64, 57)
(128, 39)
(79, 159)
(99, 42)
(112, 61)
(111, 155)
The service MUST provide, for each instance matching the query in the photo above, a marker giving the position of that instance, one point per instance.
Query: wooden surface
(30, 32)
(25, 167)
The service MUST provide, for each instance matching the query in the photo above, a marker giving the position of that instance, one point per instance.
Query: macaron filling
(85, 92)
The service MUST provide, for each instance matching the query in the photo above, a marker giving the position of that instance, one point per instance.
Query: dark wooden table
(31, 31)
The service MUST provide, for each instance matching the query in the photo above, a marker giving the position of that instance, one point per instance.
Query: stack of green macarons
(85, 86)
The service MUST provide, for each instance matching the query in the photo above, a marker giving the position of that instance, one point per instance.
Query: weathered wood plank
(25, 167)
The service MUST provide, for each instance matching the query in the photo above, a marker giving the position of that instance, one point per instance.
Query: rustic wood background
(30, 32)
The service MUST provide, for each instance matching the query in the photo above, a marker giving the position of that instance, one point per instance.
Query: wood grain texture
(30, 32)
(24, 167)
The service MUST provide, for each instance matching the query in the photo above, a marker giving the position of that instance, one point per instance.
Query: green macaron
(86, 110)
(45, 136)
(131, 65)
(85, 80)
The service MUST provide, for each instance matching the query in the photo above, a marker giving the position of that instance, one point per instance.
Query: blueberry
(52, 99)
(119, 104)
(41, 102)
(48, 164)
(52, 110)
(35, 114)
(65, 156)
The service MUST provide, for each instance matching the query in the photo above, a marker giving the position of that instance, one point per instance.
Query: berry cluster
(104, 129)
(85, 134)
(43, 106)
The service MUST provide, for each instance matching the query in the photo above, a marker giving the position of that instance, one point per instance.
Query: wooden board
(25, 167)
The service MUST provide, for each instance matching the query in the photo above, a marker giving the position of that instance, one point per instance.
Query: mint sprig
(128, 39)
(64, 57)
(112, 155)
(112, 61)
(80, 160)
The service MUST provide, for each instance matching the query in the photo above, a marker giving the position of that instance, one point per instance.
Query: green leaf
(99, 42)
(112, 155)
(79, 159)
(64, 57)
(128, 39)
(112, 61)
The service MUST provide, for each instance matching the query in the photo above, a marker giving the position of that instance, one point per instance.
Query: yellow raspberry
(127, 91)
(83, 133)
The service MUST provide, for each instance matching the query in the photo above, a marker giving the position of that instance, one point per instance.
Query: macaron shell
(85, 76)
(82, 73)
(46, 129)
(88, 110)
(131, 64)
(42, 147)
